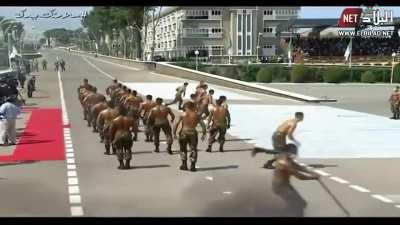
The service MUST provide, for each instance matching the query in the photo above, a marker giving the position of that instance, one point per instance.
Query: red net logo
(350, 17)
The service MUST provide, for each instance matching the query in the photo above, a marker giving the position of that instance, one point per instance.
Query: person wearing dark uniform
(158, 119)
(121, 138)
(221, 121)
(188, 135)
(180, 93)
(44, 64)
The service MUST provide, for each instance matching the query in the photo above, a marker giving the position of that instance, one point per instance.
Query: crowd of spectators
(312, 46)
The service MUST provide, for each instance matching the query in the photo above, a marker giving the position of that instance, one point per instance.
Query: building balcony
(202, 18)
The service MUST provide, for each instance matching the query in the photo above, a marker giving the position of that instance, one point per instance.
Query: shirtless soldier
(221, 121)
(279, 136)
(94, 113)
(132, 103)
(204, 102)
(158, 119)
(86, 86)
(188, 135)
(104, 121)
(121, 138)
(223, 99)
(180, 93)
(145, 107)
(91, 100)
(394, 103)
(285, 168)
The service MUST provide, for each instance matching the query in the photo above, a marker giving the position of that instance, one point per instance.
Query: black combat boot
(208, 149)
(127, 166)
(147, 138)
(157, 148)
(193, 167)
(114, 151)
(169, 149)
(121, 164)
(107, 152)
(221, 148)
(269, 164)
(184, 165)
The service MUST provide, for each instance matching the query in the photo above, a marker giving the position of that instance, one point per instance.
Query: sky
(36, 27)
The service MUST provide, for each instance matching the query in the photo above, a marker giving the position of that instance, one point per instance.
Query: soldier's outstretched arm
(228, 117)
(171, 114)
(100, 120)
(176, 125)
(301, 173)
(203, 127)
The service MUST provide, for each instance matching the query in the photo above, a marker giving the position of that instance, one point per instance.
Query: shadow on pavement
(150, 166)
(17, 163)
(218, 168)
(239, 139)
(321, 165)
(141, 152)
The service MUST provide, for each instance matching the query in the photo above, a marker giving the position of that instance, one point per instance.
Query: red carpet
(42, 138)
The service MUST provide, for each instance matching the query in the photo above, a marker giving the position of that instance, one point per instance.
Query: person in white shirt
(8, 115)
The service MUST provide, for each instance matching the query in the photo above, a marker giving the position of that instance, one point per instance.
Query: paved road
(226, 184)
(369, 98)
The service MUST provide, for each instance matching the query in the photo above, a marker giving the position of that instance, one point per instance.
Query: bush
(335, 75)
(368, 77)
(230, 72)
(281, 74)
(248, 73)
(212, 69)
(265, 75)
(298, 74)
(396, 73)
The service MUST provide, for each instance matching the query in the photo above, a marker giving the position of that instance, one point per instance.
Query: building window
(268, 12)
(248, 43)
(248, 23)
(216, 30)
(268, 29)
(216, 12)
(239, 43)
(174, 43)
(239, 23)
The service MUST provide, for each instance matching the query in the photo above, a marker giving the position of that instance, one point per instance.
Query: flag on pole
(13, 53)
(347, 54)
(290, 52)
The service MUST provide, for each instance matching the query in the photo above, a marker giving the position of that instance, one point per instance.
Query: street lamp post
(9, 47)
(197, 54)
(258, 46)
(391, 77)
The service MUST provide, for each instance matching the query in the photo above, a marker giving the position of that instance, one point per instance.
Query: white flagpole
(351, 50)
(290, 51)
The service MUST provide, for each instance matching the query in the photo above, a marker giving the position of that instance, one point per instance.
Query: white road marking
(71, 166)
(72, 173)
(76, 211)
(382, 198)
(73, 181)
(340, 180)
(75, 199)
(73, 189)
(127, 67)
(397, 206)
(360, 189)
(209, 178)
(395, 198)
(97, 68)
(322, 173)
(227, 192)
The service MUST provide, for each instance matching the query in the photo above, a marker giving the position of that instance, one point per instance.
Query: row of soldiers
(118, 118)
